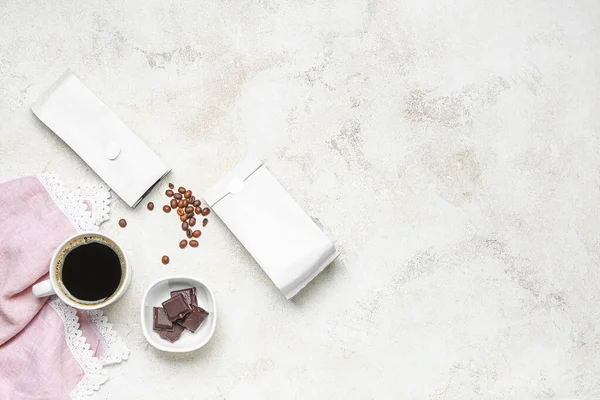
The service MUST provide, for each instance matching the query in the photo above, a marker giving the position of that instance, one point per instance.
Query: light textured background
(450, 148)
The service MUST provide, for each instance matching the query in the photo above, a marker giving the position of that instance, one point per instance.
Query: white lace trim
(93, 375)
(114, 347)
(87, 207)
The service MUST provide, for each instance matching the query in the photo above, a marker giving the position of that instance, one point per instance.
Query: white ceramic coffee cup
(53, 285)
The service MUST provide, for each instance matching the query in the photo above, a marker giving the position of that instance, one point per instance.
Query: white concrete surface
(451, 149)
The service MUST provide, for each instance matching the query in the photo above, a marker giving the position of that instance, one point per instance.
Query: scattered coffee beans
(165, 260)
(151, 206)
(188, 206)
(122, 223)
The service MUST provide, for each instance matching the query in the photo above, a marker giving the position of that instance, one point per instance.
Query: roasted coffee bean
(184, 226)
(190, 215)
(177, 196)
(151, 206)
(169, 193)
(180, 203)
(181, 190)
(194, 243)
(165, 260)
(183, 218)
(192, 199)
(204, 221)
(180, 212)
(122, 223)
(188, 233)
(171, 186)
(205, 211)
(166, 209)
(197, 203)
(196, 233)
(182, 244)
(173, 203)
(189, 209)
(186, 203)
(187, 194)
(192, 221)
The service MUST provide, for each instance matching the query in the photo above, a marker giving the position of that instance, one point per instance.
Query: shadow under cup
(90, 269)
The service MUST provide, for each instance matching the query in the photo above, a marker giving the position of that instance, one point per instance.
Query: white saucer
(160, 291)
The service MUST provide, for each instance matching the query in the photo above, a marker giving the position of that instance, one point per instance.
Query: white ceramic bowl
(160, 291)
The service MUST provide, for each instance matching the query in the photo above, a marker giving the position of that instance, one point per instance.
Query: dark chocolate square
(176, 307)
(161, 320)
(188, 294)
(194, 319)
(172, 335)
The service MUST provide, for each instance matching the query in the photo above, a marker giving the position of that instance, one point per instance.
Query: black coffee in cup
(91, 269)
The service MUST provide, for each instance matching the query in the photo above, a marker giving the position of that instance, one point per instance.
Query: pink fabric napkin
(36, 361)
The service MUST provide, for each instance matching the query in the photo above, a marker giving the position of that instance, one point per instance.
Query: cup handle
(42, 289)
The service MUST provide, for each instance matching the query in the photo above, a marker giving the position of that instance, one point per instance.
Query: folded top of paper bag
(100, 138)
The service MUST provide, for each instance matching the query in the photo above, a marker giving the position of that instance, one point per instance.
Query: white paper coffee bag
(284, 241)
(100, 138)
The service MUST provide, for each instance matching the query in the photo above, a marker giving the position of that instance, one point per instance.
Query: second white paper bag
(284, 241)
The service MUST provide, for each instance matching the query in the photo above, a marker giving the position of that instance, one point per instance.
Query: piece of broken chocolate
(194, 319)
(176, 307)
(161, 320)
(172, 335)
(188, 294)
